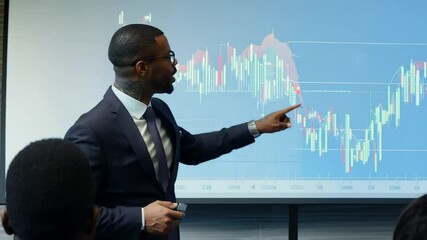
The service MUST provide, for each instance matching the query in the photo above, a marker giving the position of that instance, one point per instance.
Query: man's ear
(141, 67)
(90, 222)
(7, 224)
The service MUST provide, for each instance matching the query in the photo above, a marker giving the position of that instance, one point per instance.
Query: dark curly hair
(49, 191)
(412, 223)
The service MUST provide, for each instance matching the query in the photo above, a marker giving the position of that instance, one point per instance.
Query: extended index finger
(288, 109)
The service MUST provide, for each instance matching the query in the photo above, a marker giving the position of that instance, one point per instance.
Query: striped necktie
(163, 171)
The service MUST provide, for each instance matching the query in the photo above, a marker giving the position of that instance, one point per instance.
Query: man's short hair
(132, 42)
(412, 223)
(49, 191)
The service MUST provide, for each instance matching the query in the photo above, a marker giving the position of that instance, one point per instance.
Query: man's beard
(163, 87)
(170, 89)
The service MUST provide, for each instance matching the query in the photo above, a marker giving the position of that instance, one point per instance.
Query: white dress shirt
(137, 109)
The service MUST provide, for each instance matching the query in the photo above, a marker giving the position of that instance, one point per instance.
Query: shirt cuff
(142, 219)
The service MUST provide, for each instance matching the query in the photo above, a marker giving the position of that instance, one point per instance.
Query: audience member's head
(412, 223)
(50, 193)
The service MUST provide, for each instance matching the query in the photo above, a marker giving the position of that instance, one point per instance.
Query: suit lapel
(173, 132)
(125, 122)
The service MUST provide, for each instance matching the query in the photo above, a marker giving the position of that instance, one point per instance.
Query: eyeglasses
(171, 57)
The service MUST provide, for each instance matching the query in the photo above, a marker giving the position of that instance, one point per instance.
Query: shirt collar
(135, 108)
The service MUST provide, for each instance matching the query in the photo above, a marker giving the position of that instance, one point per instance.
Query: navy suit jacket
(123, 171)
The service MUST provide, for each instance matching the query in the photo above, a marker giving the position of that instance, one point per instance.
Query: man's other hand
(160, 218)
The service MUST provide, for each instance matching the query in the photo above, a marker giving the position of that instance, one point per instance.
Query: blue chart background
(346, 54)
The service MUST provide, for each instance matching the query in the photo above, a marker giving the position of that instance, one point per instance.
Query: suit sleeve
(206, 146)
(113, 222)
(198, 148)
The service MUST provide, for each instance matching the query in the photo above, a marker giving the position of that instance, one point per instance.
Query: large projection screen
(358, 68)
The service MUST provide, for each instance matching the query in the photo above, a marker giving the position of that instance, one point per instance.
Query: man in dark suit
(127, 162)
